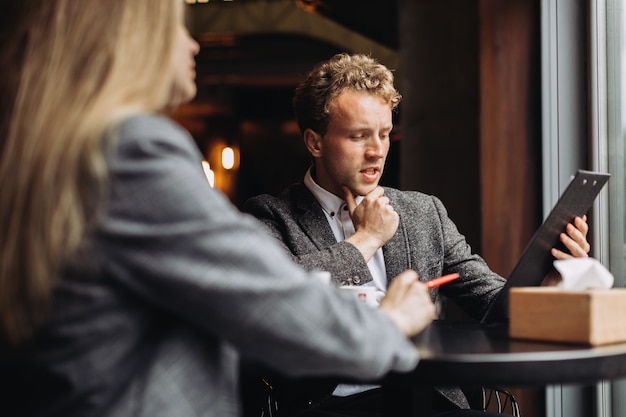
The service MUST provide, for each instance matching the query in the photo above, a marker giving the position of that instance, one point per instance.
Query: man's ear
(313, 143)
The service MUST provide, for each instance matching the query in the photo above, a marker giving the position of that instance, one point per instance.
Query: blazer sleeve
(180, 245)
(478, 284)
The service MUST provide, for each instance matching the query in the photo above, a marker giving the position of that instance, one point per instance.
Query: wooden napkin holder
(591, 317)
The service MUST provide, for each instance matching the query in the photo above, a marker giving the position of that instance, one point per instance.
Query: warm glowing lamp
(228, 158)
(208, 172)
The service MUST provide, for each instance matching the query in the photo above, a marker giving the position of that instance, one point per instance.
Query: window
(584, 125)
(608, 90)
(607, 71)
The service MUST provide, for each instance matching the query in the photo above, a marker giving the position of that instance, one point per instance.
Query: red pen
(441, 280)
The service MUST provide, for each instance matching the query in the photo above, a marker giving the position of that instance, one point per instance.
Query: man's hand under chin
(375, 221)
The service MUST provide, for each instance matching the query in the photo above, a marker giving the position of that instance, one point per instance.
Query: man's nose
(376, 148)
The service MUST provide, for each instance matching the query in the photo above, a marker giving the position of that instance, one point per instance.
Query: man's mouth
(370, 171)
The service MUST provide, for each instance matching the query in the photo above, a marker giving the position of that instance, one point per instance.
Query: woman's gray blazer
(172, 286)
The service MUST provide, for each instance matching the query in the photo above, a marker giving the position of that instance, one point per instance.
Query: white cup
(366, 294)
(323, 276)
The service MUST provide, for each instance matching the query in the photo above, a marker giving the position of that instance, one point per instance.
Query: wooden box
(590, 317)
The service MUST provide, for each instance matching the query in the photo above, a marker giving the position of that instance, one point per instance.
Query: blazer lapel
(312, 219)
(399, 259)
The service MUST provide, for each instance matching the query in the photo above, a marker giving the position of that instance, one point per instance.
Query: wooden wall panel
(510, 141)
(510, 135)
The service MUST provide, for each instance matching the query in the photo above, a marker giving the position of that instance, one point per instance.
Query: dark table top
(460, 353)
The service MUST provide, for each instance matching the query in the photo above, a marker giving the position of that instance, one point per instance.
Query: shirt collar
(330, 202)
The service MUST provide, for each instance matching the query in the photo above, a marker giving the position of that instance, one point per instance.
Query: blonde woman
(129, 287)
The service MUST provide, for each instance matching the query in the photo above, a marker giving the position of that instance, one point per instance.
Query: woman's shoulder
(149, 125)
(152, 133)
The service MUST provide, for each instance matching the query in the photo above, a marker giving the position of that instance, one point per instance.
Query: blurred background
(468, 129)
(503, 101)
(253, 56)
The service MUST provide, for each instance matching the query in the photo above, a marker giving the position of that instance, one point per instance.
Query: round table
(468, 353)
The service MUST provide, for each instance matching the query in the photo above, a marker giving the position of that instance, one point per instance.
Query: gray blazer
(172, 285)
(426, 241)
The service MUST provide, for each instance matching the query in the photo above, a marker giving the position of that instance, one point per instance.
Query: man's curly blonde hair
(328, 79)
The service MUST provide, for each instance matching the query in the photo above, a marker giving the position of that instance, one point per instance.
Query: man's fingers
(575, 247)
(581, 225)
(376, 193)
(576, 238)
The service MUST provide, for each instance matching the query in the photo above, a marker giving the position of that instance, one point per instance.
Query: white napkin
(583, 273)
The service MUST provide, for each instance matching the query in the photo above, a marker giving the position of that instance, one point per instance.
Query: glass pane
(616, 118)
(616, 18)
(621, 11)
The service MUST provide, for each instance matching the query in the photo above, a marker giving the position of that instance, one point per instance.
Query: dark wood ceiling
(376, 20)
(262, 57)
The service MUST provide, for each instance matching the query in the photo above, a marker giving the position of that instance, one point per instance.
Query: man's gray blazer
(426, 241)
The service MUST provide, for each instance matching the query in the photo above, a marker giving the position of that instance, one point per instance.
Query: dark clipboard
(536, 260)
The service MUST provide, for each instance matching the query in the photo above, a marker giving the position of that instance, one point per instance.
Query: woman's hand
(408, 303)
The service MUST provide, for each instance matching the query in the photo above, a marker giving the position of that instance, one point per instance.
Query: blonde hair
(83, 67)
(328, 79)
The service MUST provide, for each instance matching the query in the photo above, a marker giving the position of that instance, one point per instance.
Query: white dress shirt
(338, 217)
(336, 212)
